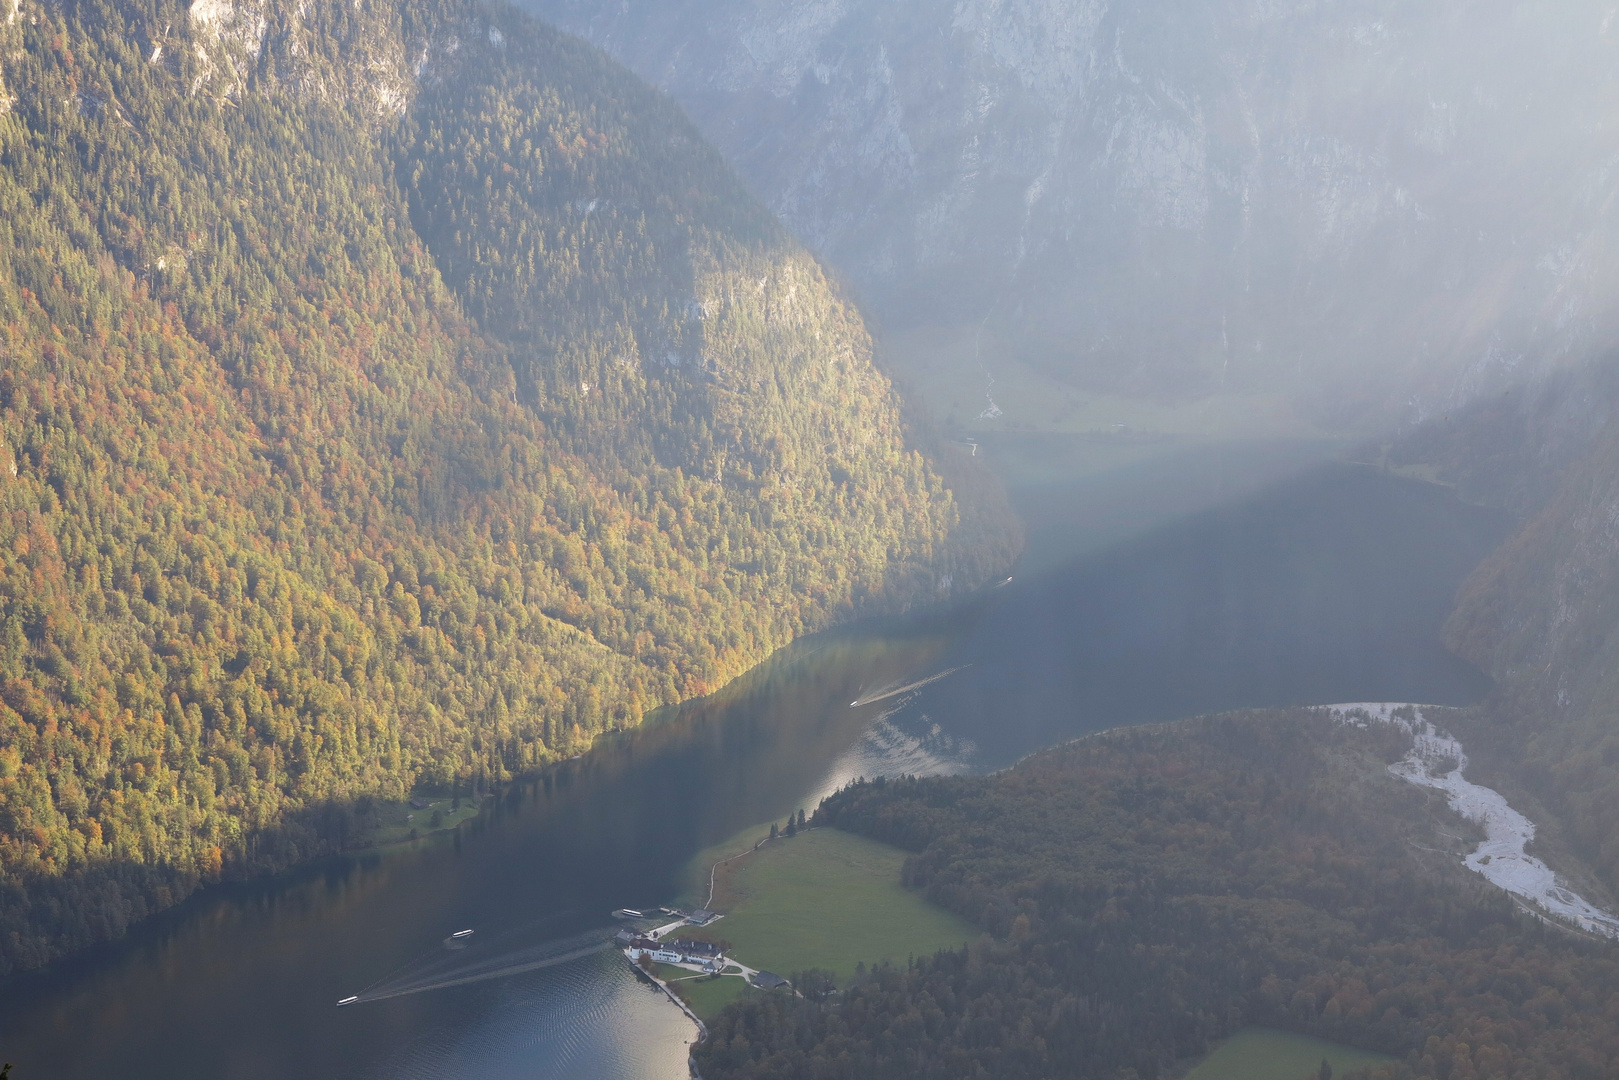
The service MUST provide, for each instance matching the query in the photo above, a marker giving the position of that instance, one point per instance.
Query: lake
(1157, 584)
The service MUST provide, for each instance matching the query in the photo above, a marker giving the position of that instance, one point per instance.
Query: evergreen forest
(392, 395)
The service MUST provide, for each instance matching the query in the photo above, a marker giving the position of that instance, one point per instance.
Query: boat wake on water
(883, 693)
(437, 971)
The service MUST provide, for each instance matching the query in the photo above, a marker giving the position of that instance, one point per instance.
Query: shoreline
(642, 973)
(392, 836)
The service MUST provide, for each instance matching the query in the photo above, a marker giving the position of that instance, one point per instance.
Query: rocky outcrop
(13, 11)
(315, 50)
(1377, 208)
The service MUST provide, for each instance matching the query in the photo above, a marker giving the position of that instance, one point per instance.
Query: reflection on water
(1329, 587)
(900, 741)
(589, 1018)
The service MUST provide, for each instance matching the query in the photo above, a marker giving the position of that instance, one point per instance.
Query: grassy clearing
(827, 899)
(694, 891)
(396, 820)
(707, 997)
(1260, 1053)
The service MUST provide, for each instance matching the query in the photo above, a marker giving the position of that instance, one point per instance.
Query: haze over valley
(809, 541)
(1238, 216)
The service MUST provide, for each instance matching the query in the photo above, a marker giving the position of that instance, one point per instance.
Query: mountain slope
(391, 394)
(1298, 215)
(1541, 615)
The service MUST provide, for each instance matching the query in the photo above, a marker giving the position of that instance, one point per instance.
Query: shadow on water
(1329, 584)
(1153, 589)
(242, 982)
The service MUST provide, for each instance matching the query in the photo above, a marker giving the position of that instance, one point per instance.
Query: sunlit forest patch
(373, 425)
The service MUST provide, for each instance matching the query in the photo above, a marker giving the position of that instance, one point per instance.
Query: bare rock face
(1375, 208)
(353, 55)
(12, 11)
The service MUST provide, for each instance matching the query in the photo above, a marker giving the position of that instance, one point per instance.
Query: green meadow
(1260, 1053)
(396, 821)
(826, 899)
(707, 996)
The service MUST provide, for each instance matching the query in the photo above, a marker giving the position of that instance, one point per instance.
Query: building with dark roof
(697, 950)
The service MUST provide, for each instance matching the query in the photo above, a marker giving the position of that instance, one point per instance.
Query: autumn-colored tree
(370, 423)
(1146, 892)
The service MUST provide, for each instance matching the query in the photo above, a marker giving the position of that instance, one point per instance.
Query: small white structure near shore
(670, 952)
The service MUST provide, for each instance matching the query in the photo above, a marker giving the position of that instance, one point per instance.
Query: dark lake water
(1177, 584)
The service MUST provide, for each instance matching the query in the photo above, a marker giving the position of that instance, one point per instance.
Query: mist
(1234, 216)
(789, 539)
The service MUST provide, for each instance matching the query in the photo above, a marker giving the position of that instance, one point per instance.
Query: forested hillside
(1299, 216)
(1541, 615)
(1145, 891)
(389, 394)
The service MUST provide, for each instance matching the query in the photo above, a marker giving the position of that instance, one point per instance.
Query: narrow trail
(715, 869)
